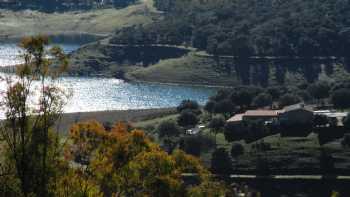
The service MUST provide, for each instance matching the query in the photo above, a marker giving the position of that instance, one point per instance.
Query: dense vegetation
(62, 5)
(263, 28)
(256, 42)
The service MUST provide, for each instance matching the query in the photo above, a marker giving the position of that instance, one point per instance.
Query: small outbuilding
(297, 114)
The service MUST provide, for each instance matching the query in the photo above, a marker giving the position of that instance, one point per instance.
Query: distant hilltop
(62, 5)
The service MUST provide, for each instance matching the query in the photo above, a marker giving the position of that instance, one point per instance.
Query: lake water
(98, 94)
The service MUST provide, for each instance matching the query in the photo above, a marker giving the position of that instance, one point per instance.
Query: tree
(169, 132)
(127, 163)
(340, 98)
(187, 119)
(262, 100)
(304, 95)
(221, 162)
(189, 105)
(210, 106)
(319, 90)
(32, 147)
(288, 99)
(225, 107)
(243, 97)
(217, 124)
(168, 129)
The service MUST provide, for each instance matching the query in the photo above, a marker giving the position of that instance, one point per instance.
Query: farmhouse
(293, 114)
(251, 115)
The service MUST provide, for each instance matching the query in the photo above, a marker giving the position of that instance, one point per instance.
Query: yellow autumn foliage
(124, 162)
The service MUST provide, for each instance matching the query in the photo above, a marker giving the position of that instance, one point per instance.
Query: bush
(237, 150)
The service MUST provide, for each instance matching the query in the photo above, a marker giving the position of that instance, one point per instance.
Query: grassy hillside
(102, 21)
(189, 69)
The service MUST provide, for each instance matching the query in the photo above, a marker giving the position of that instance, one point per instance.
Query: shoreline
(110, 116)
(66, 120)
(10, 69)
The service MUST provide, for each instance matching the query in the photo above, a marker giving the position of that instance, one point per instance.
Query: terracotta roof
(261, 113)
(255, 113)
(236, 118)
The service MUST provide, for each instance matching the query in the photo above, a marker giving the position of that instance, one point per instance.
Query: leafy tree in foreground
(32, 148)
(123, 163)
